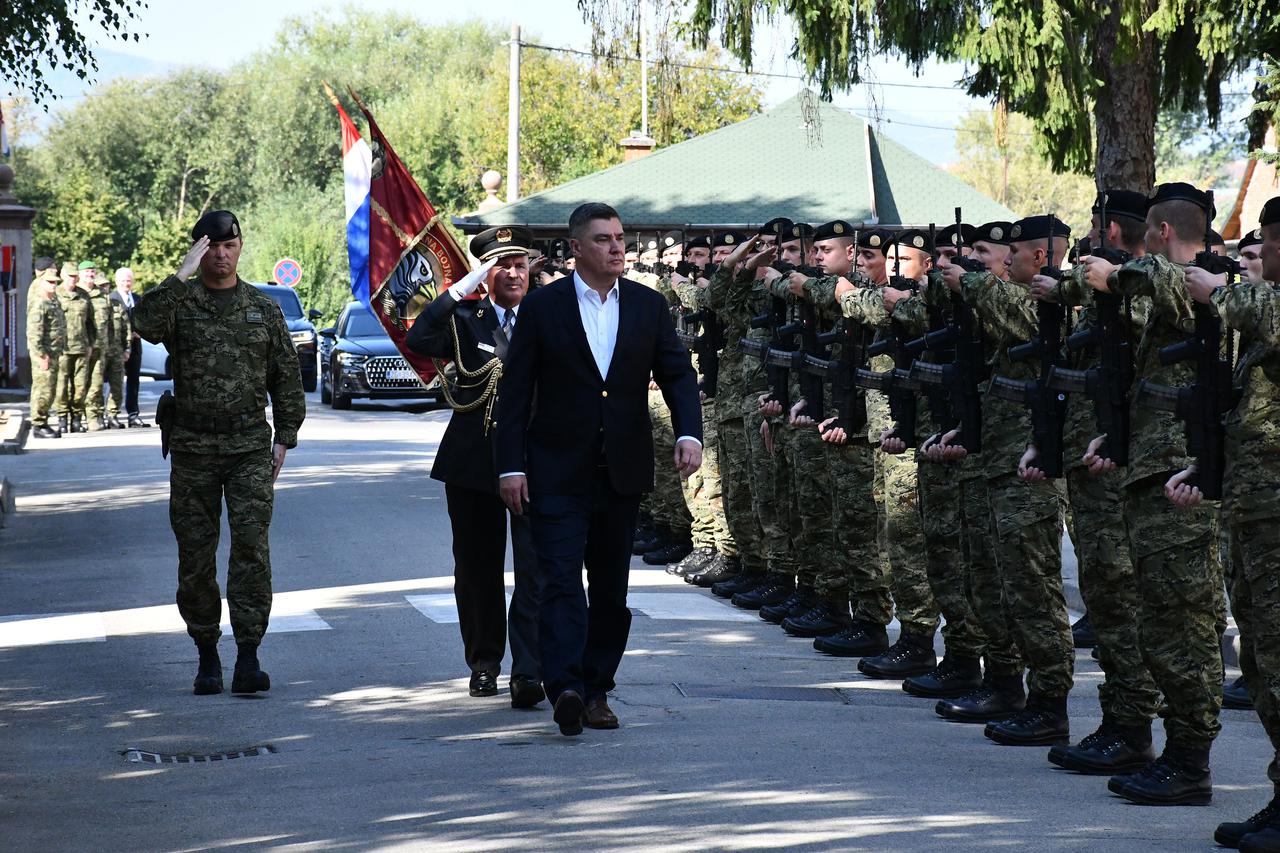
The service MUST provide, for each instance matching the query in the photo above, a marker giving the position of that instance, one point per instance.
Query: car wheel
(308, 383)
(325, 396)
(340, 400)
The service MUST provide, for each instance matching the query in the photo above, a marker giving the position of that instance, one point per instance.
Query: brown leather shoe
(600, 715)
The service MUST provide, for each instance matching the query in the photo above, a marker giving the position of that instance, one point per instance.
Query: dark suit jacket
(556, 414)
(465, 456)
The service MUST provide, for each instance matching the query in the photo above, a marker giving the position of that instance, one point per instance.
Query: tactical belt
(218, 424)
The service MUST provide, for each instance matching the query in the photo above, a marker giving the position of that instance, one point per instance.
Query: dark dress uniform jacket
(465, 456)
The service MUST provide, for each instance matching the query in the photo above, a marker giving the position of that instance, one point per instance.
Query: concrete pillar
(15, 234)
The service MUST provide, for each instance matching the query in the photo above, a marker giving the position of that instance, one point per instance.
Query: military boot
(1000, 697)
(248, 676)
(97, 423)
(1265, 840)
(658, 537)
(44, 431)
(1236, 695)
(912, 655)
(825, 617)
(136, 421)
(1109, 751)
(953, 677)
(743, 582)
(1179, 777)
(798, 603)
(77, 425)
(674, 552)
(62, 424)
(694, 562)
(774, 590)
(1082, 633)
(114, 422)
(721, 568)
(209, 673)
(1230, 834)
(1042, 722)
(860, 639)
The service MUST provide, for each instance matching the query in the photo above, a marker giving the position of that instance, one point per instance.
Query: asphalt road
(368, 739)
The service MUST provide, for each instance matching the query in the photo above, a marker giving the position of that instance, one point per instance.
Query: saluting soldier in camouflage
(1179, 579)
(73, 366)
(231, 355)
(46, 339)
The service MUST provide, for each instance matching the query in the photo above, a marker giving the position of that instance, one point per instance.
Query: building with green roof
(772, 164)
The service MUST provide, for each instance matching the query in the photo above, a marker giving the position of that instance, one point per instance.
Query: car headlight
(303, 337)
(351, 359)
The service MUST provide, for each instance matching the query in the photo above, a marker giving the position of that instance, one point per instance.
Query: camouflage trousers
(1109, 587)
(107, 368)
(812, 517)
(44, 385)
(982, 577)
(943, 530)
(703, 493)
(857, 574)
(900, 538)
(735, 486)
(666, 504)
(198, 485)
(770, 490)
(1179, 583)
(1028, 524)
(73, 384)
(1255, 602)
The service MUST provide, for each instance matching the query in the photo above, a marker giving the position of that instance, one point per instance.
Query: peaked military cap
(702, 241)
(728, 238)
(1180, 191)
(218, 225)
(1037, 228)
(994, 232)
(948, 236)
(1122, 203)
(833, 230)
(672, 238)
(44, 263)
(1250, 238)
(1270, 212)
(779, 227)
(913, 238)
(500, 242)
(876, 238)
(69, 270)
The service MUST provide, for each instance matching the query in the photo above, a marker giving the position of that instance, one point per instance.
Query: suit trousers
(479, 521)
(132, 367)
(583, 633)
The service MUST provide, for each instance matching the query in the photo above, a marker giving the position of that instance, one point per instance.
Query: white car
(155, 361)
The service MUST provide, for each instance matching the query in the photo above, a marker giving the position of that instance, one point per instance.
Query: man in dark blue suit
(575, 451)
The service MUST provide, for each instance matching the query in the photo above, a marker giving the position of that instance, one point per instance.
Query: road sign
(288, 272)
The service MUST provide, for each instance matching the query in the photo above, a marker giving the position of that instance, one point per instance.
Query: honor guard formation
(900, 423)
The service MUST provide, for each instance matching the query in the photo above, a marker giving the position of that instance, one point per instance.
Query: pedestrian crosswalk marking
(46, 629)
(50, 628)
(685, 607)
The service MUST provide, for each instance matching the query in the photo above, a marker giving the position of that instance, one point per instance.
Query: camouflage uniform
(110, 367)
(1171, 549)
(104, 319)
(73, 366)
(1108, 582)
(228, 359)
(1027, 517)
(46, 337)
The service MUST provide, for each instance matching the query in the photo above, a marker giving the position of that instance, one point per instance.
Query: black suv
(359, 360)
(300, 329)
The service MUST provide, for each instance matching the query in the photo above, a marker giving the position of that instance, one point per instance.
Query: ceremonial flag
(401, 254)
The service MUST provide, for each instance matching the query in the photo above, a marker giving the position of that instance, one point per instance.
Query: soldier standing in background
(105, 323)
(46, 339)
(73, 366)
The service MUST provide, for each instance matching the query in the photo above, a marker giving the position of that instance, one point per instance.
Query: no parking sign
(288, 272)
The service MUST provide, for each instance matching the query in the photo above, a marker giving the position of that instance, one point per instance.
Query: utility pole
(513, 118)
(644, 68)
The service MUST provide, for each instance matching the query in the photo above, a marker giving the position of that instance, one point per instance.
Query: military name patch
(253, 316)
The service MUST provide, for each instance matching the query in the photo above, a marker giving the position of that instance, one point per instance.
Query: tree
(40, 35)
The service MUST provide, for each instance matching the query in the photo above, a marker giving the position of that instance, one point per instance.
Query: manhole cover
(142, 756)
(777, 694)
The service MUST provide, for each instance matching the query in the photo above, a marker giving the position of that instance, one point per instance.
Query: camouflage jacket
(1157, 441)
(1008, 315)
(121, 326)
(227, 361)
(46, 327)
(81, 329)
(104, 320)
(1251, 486)
(737, 297)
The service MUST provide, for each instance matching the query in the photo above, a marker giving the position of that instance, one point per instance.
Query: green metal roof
(765, 166)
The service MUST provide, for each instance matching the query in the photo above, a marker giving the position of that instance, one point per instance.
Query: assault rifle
(1048, 407)
(813, 344)
(1202, 404)
(896, 384)
(705, 346)
(776, 354)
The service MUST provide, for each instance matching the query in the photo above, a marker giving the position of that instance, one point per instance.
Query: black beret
(559, 249)
(218, 225)
(948, 237)
(876, 238)
(802, 229)
(700, 242)
(727, 238)
(832, 230)
(500, 242)
(1037, 228)
(779, 227)
(993, 232)
(43, 263)
(1122, 203)
(649, 242)
(1250, 238)
(633, 246)
(672, 238)
(1215, 239)
(1180, 191)
(1270, 212)
(913, 238)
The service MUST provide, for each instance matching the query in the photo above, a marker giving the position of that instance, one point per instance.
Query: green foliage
(37, 35)
(305, 225)
(1267, 106)
(1187, 149)
(89, 221)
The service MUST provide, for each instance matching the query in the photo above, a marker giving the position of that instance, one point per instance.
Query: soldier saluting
(231, 352)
